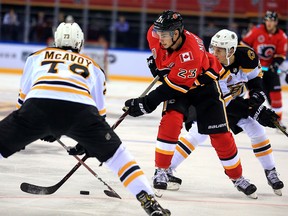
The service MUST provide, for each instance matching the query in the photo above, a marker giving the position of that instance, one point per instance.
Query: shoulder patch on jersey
(251, 54)
(186, 56)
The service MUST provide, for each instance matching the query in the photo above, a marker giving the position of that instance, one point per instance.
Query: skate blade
(158, 192)
(253, 196)
(278, 192)
(172, 186)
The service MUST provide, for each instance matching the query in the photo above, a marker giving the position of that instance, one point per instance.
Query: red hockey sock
(168, 133)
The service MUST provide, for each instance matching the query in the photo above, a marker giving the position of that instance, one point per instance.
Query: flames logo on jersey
(266, 51)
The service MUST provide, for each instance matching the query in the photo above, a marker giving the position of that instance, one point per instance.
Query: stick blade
(38, 190)
(112, 194)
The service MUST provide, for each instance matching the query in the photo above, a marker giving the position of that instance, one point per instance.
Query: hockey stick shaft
(122, 117)
(276, 123)
(90, 170)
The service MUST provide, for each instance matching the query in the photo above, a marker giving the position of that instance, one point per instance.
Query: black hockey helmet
(271, 15)
(169, 21)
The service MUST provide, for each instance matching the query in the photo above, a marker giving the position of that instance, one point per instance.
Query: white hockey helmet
(69, 35)
(225, 39)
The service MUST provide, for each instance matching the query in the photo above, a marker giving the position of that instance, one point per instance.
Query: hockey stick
(42, 190)
(35, 189)
(276, 123)
(122, 117)
(110, 192)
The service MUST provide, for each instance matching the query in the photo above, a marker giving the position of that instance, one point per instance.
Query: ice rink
(206, 190)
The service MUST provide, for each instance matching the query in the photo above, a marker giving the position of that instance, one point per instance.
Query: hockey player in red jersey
(189, 76)
(270, 43)
(62, 92)
(242, 70)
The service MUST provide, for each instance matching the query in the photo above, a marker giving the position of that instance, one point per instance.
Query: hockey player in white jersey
(242, 70)
(62, 93)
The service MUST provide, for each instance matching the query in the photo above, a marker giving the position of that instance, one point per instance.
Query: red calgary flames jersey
(267, 46)
(185, 63)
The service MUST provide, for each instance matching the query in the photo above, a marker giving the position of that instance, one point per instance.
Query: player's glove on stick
(256, 98)
(49, 138)
(76, 150)
(138, 106)
(264, 116)
(155, 71)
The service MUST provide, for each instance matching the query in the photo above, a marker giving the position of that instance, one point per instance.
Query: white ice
(206, 190)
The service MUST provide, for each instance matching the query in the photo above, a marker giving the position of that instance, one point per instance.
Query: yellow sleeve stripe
(173, 86)
(102, 112)
(211, 75)
(225, 75)
(246, 70)
(21, 95)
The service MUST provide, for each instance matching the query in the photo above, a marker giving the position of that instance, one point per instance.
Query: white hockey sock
(263, 151)
(186, 145)
(131, 175)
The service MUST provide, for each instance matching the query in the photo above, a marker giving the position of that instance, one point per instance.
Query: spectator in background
(122, 28)
(245, 31)
(209, 31)
(10, 25)
(41, 29)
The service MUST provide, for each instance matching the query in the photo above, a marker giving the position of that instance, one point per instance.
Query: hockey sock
(226, 150)
(131, 175)
(263, 151)
(186, 145)
(169, 131)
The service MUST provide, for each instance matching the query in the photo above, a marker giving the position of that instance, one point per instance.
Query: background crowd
(119, 28)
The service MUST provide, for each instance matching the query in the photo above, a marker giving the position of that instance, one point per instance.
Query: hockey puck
(84, 192)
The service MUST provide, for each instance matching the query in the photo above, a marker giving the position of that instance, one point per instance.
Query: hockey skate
(160, 181)
(274, 181)
(173, 183)
(244, 186)
(151, 206)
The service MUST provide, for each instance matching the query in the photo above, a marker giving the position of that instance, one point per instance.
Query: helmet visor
(162, 34)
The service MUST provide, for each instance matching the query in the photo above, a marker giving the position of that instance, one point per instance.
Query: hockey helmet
(271, 15)
(225, 39)
(169, 21)
(69, 35)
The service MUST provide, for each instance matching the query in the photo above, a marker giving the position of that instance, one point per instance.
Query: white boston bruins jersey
(246, 67)
(54, 73)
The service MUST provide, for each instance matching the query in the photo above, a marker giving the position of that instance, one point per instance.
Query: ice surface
(205, 190)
